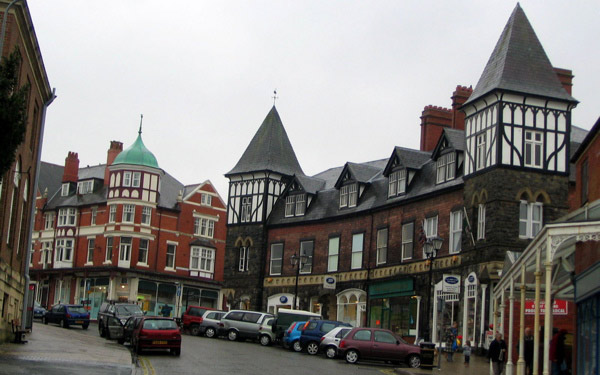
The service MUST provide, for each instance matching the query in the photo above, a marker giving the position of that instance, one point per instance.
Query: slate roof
(584, 138)
(519, 63)
(51, 176)
(269, 150)
(456, 139)
(310, 185)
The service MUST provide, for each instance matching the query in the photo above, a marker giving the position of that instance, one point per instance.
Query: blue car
(314, 330)
(291, 337)
(68, 315)
(38, 311)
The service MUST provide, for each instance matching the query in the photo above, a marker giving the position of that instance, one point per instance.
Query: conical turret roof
(137, 154)
(269, 150)
(519, 64)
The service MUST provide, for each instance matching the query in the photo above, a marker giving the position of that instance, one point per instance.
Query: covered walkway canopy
(545, 267)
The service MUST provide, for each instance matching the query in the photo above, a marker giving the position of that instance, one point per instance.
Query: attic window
(65, 189)
(397, 183)
(446, 167)
(206, 199)
(295, 205)
(85, 187)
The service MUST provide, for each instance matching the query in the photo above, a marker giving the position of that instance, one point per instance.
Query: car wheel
(414, 361)
(210, 332)
(232, 335)
(85, 326)
(101, 331)
(312, 348)
(45, 320)
(331, 352)
(64, 323)
(176, 351)
(195, 330)
(265, 340)
(352, 356)
(297, 346)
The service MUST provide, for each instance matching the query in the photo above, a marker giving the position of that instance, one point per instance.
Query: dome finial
(141, 119)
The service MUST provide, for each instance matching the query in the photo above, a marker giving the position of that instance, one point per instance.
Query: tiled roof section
(310, 185)
(413, 159)
(189, 188)
(587, 139)
(519, 63)
(96, 171)
(50, 178)
(456, 138)
(326, 204)
(269, 150)
(362, 172)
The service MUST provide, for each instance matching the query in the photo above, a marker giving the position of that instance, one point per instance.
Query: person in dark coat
(557, 353)
(497, 354)
(528, 351)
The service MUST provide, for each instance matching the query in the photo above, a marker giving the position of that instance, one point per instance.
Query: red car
(378, 344)
(157, 333)
(192, 319)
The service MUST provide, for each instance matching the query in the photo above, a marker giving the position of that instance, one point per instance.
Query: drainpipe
(3, 32)
(33, 196)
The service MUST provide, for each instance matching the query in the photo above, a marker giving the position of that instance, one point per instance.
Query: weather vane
(141, 119)
(275, 97)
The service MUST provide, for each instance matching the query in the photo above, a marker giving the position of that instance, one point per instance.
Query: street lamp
(431, 248)
(298, 261)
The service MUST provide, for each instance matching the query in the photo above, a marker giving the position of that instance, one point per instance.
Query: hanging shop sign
(451, 284)
(329, 282)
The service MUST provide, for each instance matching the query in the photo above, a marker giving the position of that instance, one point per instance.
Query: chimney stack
(565, 76)
(115, 149)
(433, 121)
(71, 171)
(459, 97)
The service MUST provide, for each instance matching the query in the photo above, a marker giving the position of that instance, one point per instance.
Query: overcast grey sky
(352, 76)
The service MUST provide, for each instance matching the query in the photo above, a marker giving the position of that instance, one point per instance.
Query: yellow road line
(388, 371)
(143, 365)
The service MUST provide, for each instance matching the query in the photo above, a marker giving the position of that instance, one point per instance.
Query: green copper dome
(137, 154)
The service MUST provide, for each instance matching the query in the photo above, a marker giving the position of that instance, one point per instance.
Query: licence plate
(159, 342)
(79, 322)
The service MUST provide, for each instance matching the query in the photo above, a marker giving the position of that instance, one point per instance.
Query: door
(386, 346)
(115, 328)
(249, 325)
(363, 341)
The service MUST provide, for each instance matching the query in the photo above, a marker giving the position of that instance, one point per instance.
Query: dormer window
(65, 189)
(349, 195)
(446, 167)
(397, 183)
(85, 187)
(295, 205)
(344, 196)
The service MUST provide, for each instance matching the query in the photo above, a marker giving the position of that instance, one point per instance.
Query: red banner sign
(560, 307)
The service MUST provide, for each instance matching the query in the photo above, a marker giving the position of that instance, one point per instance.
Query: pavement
(51, 349)
(477, 366)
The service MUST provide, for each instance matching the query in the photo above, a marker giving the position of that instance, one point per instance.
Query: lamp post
(431, 248)
(299, 262)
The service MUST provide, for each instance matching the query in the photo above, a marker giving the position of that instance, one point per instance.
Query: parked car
(115, 312)
(314, 330)
(192, 319)
(68, 315)
(331, 341)
(128, 328)
(266, 336)
(378, 344)
(242, 324)
(156, 333)
(285, 317)
(291, 337)
(209, 326)
(38, 311)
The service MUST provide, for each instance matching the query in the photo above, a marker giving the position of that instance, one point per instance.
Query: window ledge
(169, 269)
(142, 265)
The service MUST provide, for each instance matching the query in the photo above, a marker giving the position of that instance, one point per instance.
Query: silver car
(266, 336)
(331, 341)
(242, 324)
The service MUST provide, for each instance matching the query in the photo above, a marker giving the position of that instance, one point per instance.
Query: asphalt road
(200, 355)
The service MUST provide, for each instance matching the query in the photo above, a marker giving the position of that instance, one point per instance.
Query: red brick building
(17, 184)
(127, 230)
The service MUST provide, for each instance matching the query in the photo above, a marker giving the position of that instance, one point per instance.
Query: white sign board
(329, 282)
(451, 284)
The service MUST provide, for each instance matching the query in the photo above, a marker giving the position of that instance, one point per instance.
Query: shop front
(91, 293)
(392, 307)
(351, 307)
(157, 298)
(199, 297)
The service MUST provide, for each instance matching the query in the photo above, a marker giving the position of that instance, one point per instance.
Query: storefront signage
(451, 284)
(329, 282)
(560, 307)
(283, 299)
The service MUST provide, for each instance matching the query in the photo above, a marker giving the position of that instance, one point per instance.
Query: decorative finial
(141, 119)
(275, 97)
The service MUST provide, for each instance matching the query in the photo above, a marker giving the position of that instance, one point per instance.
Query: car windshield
(159, 324)
(77, 309)
(129, 310)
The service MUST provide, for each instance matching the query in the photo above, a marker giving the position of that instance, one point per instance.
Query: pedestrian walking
(497, 354)
(451, 344)
(528, 351)
(467, 352)
(557, 353)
